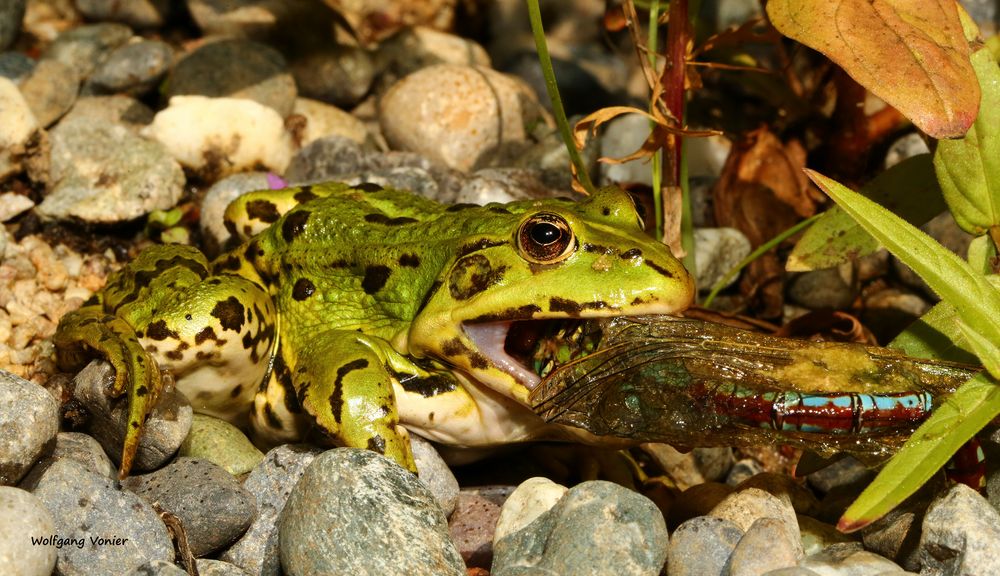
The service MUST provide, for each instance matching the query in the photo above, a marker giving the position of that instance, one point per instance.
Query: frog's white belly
(472, 415)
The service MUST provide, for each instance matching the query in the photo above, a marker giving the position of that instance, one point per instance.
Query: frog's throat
(490, 339)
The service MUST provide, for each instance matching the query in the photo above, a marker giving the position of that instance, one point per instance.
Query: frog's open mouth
(529, 349)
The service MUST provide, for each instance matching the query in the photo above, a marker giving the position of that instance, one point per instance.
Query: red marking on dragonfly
(834, 413)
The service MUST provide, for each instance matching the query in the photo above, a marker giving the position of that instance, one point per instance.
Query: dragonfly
(693, 383)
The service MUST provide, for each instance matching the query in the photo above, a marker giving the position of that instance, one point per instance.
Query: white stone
(716, 251)
(453, 114)
(531, 499)
(17, 126)
(12, 204)
(325, 120)
(220, 136)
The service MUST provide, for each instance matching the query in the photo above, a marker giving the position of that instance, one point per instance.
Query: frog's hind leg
(278, 417)
(216, 337)
(342, 382)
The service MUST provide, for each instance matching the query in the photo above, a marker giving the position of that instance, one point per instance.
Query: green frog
(360, 313)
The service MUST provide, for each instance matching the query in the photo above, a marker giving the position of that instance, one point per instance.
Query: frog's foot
(342, 381)
(90, 330)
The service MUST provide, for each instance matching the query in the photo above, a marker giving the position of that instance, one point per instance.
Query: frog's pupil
(545, 233)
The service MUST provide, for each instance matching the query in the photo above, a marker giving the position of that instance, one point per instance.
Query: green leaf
(969, 167)
(986, 351)
(936, 335)
(909, 189)
(979, 254)
(963, 414)
(975, 299)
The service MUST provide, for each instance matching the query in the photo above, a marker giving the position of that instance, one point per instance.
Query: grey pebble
(136, 175)
(88, 507)
(116, 109)
(29, 421)
(743, 469)
(830, 288)
(701, 546)
(717, 250)
(24, 517)
(15, 66)
(214, 509)
(356, 512)
(208, 567)
(11, 15)
(133, 69)
(270, 483)
(83, 48)
(239, 18)
(213, 206)
(163, 433)
(79, 447)
(50, 90)
(236, 69)
(785, 487)
(135, 13)
(767, 545)
(596, 528)
(504, 185)
(339, 75)
(157, 568)
(435, 474)
(961, 534)
(897, 534)
(847, 471)
(848, 560)
(698, 500)
(748, 505)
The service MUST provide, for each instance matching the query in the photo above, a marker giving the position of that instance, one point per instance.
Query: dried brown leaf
(912, 54)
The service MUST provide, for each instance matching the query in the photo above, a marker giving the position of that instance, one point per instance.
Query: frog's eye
(545, 238)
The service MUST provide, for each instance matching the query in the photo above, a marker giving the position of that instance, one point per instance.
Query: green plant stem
(687, 216)
(652, 41)
(763, 248)
(535, 16)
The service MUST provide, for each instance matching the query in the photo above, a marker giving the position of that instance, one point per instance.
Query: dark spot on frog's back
(460, 207)
(377, 444)
(263, 210)
(375, 278)
(409, 260)
(369, 187)
(158, 331)
(631, 253)
(294, 224)
(303, 289)
(304, 195)
(230, 313)
(570, 307)
(379, 218)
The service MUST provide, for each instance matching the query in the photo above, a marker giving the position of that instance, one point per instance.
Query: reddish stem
(672, 80)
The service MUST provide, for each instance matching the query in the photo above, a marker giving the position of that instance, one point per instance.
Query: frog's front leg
(343, 382)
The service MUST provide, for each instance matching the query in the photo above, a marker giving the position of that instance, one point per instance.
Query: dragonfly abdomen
(832, 413)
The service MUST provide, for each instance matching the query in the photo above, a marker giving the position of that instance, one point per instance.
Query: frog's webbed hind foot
(90, 332)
